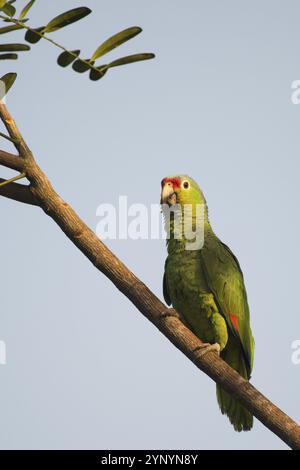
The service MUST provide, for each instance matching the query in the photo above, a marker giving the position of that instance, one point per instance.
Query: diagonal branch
(166, 320)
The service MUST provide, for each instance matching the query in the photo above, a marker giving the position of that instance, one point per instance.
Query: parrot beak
(168, 195)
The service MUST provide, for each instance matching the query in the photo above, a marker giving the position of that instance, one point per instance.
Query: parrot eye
(186, 185)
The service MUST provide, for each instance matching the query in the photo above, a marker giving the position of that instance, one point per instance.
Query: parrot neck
(186, 230)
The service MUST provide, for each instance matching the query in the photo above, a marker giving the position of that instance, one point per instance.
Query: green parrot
(205, 284)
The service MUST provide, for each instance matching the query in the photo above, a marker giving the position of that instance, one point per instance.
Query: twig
(12, 180)
(4, 136)
(148, 304)
(43, 36)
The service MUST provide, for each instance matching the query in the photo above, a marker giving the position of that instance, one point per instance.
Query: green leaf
(115, 41)
(67, 18)
(14, 47)
(2, 3)
(26, 9)
(6, 82)
(80, 66)
(130, 59)
(8, 9)
(99, 73)
(66, 58)
(8, 29)
(8, 56)
(31, 35)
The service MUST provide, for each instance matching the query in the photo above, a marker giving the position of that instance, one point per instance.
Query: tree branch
(166, 320)
(18, 192)
(11, 161)
(14, 133)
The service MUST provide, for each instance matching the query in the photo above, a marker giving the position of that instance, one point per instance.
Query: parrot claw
(170, 312)
(204, 348)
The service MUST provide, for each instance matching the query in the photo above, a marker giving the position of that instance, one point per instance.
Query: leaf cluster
(19, 21)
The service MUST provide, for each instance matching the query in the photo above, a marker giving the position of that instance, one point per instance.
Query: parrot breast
(186, 283)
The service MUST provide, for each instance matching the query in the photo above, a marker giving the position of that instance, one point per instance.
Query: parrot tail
(240, 418)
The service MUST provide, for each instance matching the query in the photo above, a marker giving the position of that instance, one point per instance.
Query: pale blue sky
(84, 368)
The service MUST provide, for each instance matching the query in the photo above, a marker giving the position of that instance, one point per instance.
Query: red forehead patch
(175, 182)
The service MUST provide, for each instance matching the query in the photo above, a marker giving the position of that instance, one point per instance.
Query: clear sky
(84, 368)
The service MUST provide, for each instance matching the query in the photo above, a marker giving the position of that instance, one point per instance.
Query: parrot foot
(170, 312)
(204, 348)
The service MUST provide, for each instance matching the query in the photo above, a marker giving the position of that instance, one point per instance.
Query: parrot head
(180, 190)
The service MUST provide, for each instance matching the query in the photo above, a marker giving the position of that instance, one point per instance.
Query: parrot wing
(225, 279)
